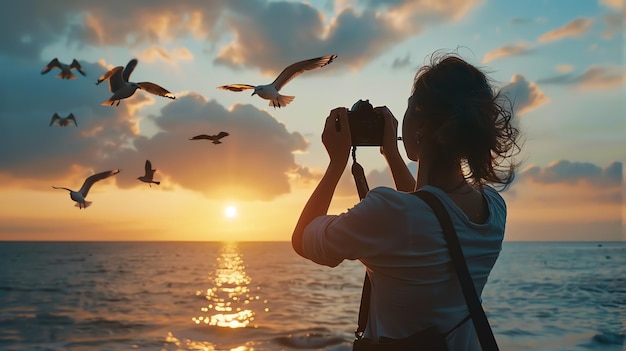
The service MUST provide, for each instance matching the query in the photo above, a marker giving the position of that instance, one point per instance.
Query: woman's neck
(445, 176)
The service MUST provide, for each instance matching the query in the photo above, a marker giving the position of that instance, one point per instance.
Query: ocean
(253, 296)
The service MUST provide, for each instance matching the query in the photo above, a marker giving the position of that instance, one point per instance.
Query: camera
(366, 125)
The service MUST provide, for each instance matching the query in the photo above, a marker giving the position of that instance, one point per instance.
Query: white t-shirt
(400, 241)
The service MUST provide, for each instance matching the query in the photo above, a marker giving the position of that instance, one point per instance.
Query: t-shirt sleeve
(362, 231)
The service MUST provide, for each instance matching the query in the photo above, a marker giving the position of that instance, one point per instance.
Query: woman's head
(453, 115)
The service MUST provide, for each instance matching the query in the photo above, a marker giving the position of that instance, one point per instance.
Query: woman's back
(414, 284)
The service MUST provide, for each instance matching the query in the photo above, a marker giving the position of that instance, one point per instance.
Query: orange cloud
(507, 50)
(564, 68)
(574, 28)
(362, 32)
(613, 23)
(614, 4)
(599, 77)
(566, 201)
(155, 52)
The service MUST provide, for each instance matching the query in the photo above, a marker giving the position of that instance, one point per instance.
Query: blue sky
(561, 61)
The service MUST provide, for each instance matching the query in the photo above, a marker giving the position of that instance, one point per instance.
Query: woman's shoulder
(384, 199)
(493, 197)
(387, 194)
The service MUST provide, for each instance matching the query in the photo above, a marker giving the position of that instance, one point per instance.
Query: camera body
(366, 125)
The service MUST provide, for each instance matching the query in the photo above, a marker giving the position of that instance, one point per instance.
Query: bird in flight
(122, 88)
(147, 178)
(270, 91)
(66, 70)
(80, 195)
(63, 121)
(214, 138)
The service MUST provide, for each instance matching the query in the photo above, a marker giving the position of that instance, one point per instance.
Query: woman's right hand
(336, 136)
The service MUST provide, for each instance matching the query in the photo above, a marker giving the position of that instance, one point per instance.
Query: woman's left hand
(336, 136)
(390, 132)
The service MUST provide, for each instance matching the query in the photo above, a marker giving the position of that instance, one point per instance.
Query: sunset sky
(562, 62)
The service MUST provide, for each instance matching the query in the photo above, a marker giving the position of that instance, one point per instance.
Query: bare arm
(402, 177)
(337, 145)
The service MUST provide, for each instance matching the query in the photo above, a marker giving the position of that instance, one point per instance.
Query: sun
(230, 211)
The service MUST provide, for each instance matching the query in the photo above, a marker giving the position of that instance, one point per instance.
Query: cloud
(155, 52)
(52, 153)
(613, 4)
(123, 23)
(521, 20)
(593, 78)
(254, 163)
(613, 23)
(574, 28)
(401, 63)
(31, 26)
(516, 49)
(526, 96)
(564, 68)
(569, 198)
(572, 173)
(253, 32)
(356, 35)
(598, 77)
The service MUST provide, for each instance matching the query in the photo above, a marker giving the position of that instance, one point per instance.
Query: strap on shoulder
(483, 330)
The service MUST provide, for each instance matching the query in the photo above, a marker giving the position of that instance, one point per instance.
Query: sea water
(261, 296)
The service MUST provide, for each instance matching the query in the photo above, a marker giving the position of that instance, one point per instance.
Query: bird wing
(60, 187)
(108, 74)
(94, 178)
(116, 82)
(236, 87)
(156, 89)
(148, 167)
(54, 63)
(72, 118)
(77, 65)
(130, 67)
(55, 118)
(298, 68)
(201, 136)
(220, 135)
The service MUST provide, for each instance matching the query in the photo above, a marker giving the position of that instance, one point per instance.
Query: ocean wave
(309, 340)
(608, 338)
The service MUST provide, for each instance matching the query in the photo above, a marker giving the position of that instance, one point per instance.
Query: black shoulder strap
(483, 330)
(481, 324)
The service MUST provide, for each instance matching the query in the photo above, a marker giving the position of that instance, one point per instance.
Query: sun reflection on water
(230, 297)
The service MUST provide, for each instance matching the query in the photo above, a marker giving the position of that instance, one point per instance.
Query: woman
(457, 130)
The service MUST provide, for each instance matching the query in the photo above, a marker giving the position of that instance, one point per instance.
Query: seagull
(80, 195)
(63, 121)
(270, 91)
(66, 70)
(214, 138)
(122, 88)
(147, 178)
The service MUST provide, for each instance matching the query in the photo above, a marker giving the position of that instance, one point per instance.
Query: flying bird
(147, 178)
(214, 138)
(270, 91)
(66, 70)
(80, 195)
(122, 88)
(63, 121)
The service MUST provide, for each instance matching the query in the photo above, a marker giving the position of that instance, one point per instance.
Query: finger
(342, 119)
(336, 116)
(330, 121)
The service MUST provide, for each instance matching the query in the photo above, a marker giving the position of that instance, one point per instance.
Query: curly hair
(456, 102)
